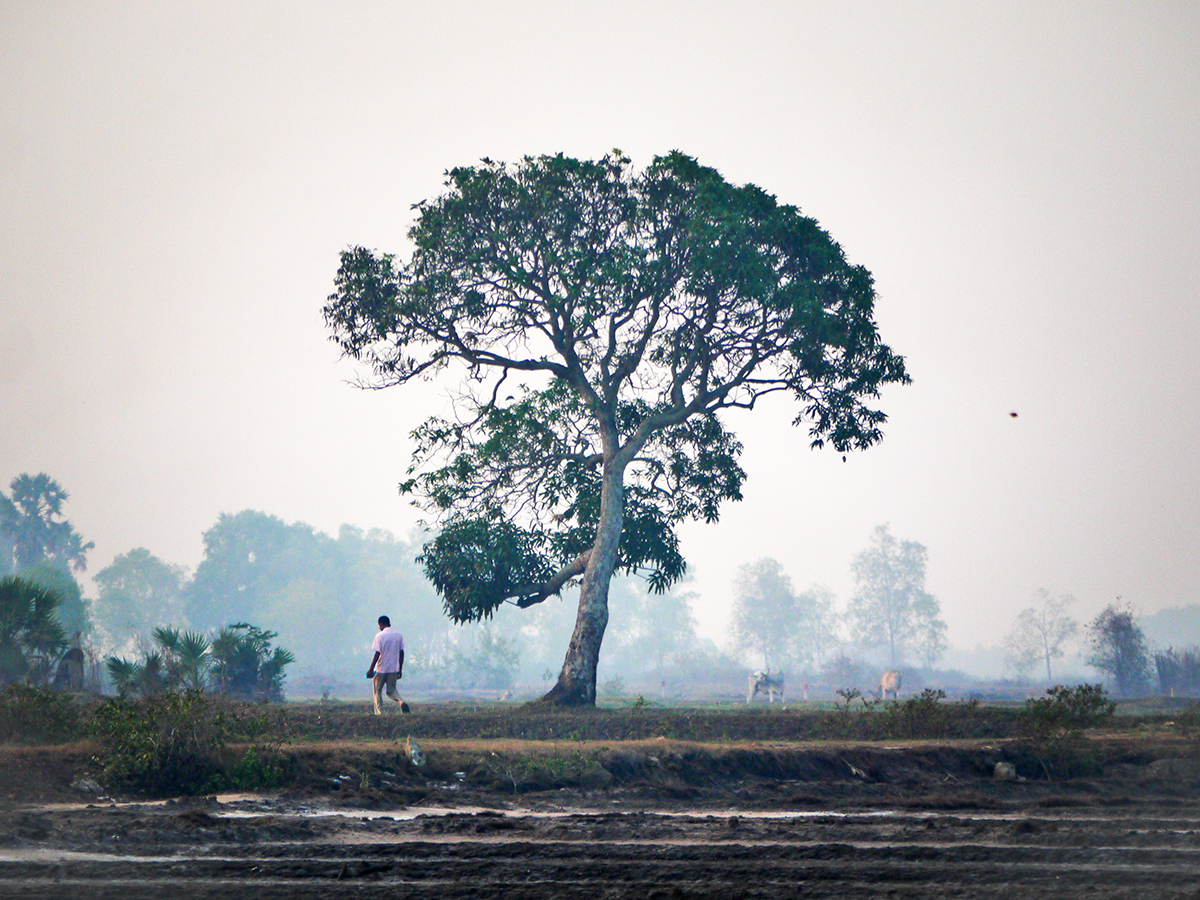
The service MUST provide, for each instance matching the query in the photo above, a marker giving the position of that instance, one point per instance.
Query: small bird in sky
(1013, 414)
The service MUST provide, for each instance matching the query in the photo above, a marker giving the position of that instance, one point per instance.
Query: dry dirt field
(518, 804)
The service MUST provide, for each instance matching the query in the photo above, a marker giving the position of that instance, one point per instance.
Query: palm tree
(187, 655)
(144, 679)
(123, 674)
(33, 529)
(270, 674)
(29, 629)
(244, 664)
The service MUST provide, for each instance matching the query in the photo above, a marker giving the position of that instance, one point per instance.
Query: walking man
(387, 664)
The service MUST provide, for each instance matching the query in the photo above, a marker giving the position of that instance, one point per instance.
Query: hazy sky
(1023, 180)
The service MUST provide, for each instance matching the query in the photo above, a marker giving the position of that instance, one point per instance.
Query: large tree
(249, 559)
(604, 319)
(890, 607)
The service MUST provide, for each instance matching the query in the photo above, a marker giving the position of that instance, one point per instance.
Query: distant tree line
(45, 623)
(1115, 645)
(153, 625)
(312, 599)
(890, 619)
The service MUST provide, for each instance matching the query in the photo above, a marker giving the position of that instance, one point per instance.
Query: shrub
(1067, 711)
(170, 743)
(177, 742)
(923, 716)
(37, 715)
(1054, 725)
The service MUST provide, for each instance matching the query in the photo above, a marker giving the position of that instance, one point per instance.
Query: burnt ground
(591, 815)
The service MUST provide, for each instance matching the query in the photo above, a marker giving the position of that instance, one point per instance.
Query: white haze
(176, 181)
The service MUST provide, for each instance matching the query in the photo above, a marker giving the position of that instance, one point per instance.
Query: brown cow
(889, 683)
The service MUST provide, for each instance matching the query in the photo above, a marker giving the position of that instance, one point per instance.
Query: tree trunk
(576, 684)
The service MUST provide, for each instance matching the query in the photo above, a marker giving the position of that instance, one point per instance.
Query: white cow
(889, 683)
(766, 683)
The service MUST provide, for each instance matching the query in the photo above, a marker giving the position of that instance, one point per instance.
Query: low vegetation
(180, 742)
(1054, 725)
(192, 742)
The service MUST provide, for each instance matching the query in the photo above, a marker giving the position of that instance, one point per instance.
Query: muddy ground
(591, 807)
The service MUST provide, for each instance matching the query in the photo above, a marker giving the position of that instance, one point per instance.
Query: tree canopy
(1118, 647)
(778, 625)
(765, 614)
(137, 590)
(604, 319)
(890, 607)
(1039, 633)
(33, 528)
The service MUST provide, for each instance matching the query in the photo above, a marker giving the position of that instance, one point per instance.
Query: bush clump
(177, 742)
(1065, 711)
(923, 716)
(38, 715)
(1053, 727)
(164, 744)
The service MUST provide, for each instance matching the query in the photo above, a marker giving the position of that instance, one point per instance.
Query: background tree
(30, 633)
(1178, 671)
(655, 640)
(929, 635)
(33, 528)
(476, 656)
(1119, 649)
(249, 558)
(545, 629)
(890, 607)
(321, 595)
(1040, 632)
(40, 545)
(630, 310)
(765, 615)
(72, 610)
(816, 628)
(135, 592)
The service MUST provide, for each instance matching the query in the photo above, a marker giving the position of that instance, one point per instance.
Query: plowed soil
(614, 818)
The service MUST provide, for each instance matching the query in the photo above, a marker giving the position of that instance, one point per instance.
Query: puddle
(250, 806)
(415, 812)
(407, 812)
(221, 799)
